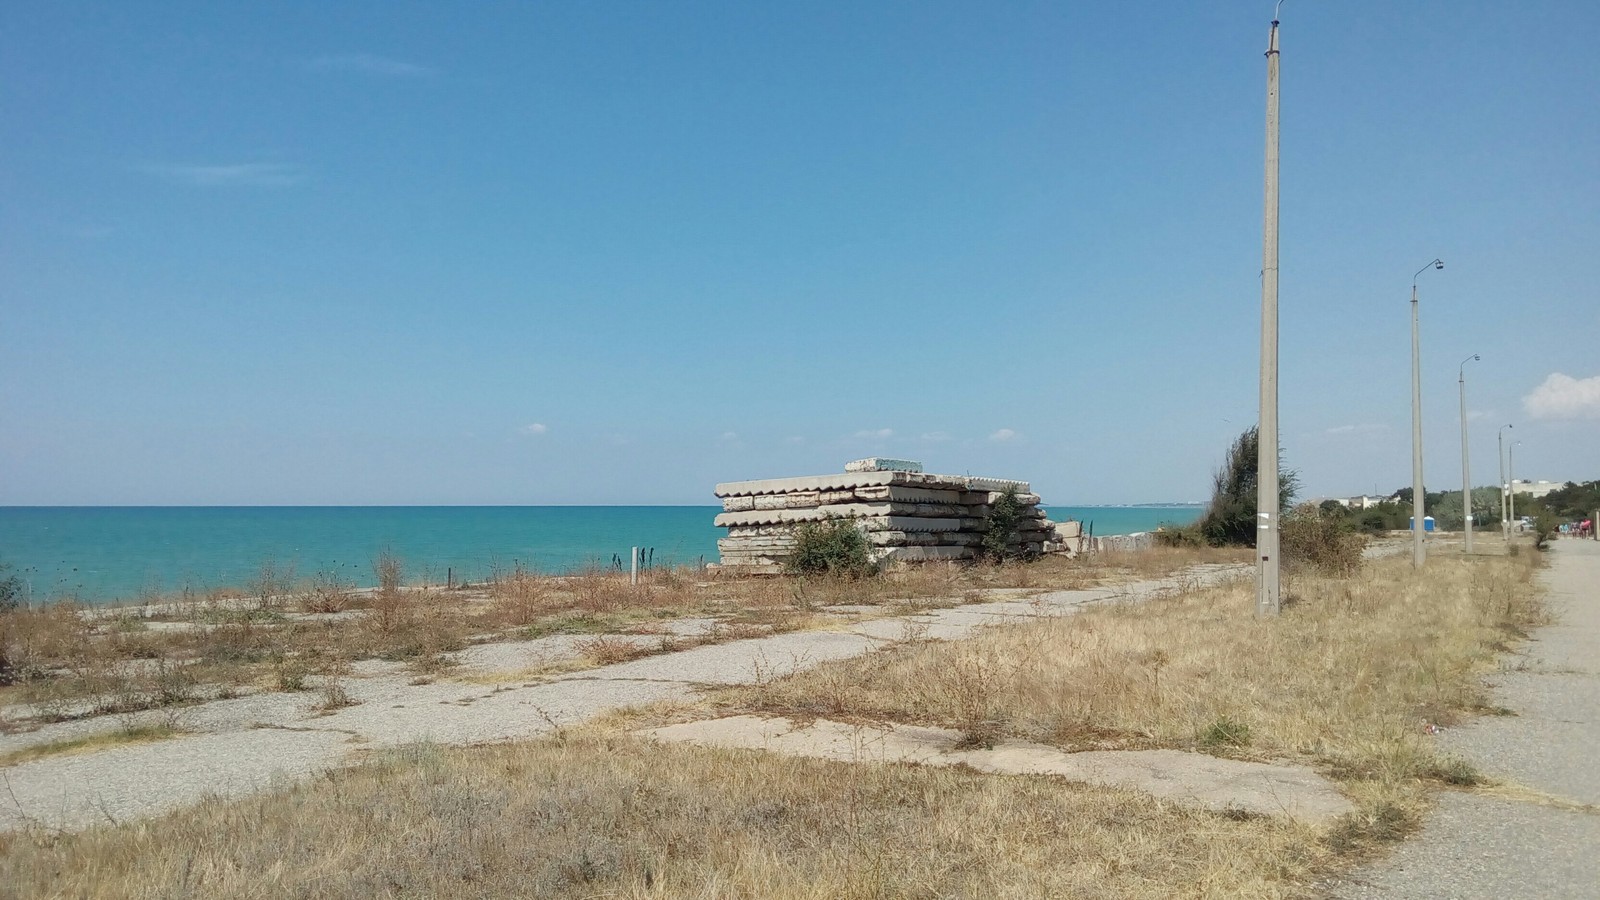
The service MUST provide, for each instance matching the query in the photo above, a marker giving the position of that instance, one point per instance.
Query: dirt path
(1544, 843)
(255, 742)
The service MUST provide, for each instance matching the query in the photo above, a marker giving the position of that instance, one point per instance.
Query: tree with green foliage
(1574, 500)
(1000, 527)
(1230, 517)
(10, 589)
(1445, 507)
(832, 547)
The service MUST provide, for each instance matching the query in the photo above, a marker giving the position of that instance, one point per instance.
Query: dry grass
(613, 817)
(69, 662)
(1345, 680)
(137, 734)
(605, 650)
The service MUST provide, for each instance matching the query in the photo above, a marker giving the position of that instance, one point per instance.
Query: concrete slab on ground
(129, 782)
(1486, 847)
(1189, 778)
(741, 662)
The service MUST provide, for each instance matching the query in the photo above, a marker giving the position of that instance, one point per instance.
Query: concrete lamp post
(1505, 488)
(1466, 467)
(1267, 499)
(1417, 510)
(1511, 481)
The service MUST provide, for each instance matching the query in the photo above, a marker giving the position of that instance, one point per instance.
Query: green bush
(1312, 539)
(833, 547)
(1170, 535)
(1545, 528)
(1225, 732)
(1373, 521)
(1230, 517)
(10, 589)
(1000, 528)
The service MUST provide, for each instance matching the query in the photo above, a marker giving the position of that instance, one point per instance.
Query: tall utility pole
(1505, 517)
(1418, 514)
(1511, 485)
(1267, 503)
(1466, 468)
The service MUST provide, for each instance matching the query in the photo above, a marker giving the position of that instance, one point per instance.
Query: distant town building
(1535, 489)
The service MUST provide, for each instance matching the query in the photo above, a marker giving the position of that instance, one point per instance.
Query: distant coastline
(1193, 505)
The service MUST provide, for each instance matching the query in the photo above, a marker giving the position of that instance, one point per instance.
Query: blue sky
(617, 252)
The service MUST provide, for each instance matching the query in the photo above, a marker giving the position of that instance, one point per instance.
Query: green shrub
(1373, 521)
(1324, 543)
(833, 547)
(1000, 527)
(1225, 732)
(10, 589)
(1545, 528)
(1169, 535)
(1230, 517)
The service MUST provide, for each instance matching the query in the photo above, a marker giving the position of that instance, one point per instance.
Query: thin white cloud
(729, 436)
(229, 174)
(1564, 397)
(1364, 428)
(936, 436)
(875, 434)
(367, 64)
(534, 429)
(796, 439)
(1004, 434)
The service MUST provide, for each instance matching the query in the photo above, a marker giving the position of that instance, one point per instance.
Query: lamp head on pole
(1436, 264)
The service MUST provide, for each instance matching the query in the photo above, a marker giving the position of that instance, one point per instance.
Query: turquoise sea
(105, 554)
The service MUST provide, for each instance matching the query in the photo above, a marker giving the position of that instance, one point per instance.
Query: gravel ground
(1476, 846)
(259, 740)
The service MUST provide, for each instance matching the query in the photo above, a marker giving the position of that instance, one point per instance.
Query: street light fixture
(1417, 511)
(1505, 488)
(1466, 468)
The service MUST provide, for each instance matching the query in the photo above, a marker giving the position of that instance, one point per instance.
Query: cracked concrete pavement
(1487, 846)
(257, 741)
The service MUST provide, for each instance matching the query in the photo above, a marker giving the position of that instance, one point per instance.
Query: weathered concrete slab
(924, 554)
(882, 464)
(123, 783)
(449, 713)
(1189, 778)
(876, 516)
(912, 629)
(1483, 848)
(741, 662)
(852, 480)
(1492, 847)
(822, 739)
(249, 741)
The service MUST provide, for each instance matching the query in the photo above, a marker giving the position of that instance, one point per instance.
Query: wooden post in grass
(633, 566)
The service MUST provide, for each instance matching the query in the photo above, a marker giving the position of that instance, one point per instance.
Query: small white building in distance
(1361, 502)
(1535, 489)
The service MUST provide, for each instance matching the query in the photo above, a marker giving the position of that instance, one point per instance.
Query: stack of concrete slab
(906, 514)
